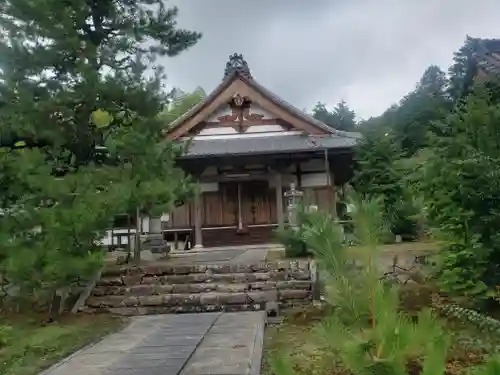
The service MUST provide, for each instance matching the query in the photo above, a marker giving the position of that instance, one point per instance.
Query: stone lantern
(293, 197)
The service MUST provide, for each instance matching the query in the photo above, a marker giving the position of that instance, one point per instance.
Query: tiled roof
(292, 109)
(291, 143)
(254, 84)
(244, 74)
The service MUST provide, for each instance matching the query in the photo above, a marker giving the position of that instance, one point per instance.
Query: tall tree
(181, 103)
(433, 82)
(341, 117)
(65, 60)
(461, 187)
(463, 70)
(379, 176)
(77, 79)
(413, 116)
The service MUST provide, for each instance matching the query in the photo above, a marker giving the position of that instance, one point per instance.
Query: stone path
(231, 256)
(188, 344)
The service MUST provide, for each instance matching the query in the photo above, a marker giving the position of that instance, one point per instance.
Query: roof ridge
(290, 106)
(272, 96)
(306, 116)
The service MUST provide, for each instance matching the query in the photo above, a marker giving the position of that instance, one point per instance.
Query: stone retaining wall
(164, 288)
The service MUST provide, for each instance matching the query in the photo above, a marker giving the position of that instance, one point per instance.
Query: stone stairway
(165, 288)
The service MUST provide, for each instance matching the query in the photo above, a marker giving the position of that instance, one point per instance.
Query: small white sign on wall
(207, 187)
(314, 180)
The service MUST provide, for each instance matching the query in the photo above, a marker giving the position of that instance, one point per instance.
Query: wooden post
(240, 216)
(333, 189)
(137, 237)
(279, 201)
(332, 202)
(298, 172)
(129, 235)
(315, 281)
(198, 240)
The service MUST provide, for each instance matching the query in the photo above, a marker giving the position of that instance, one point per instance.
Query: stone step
(207, 277)
(198, 299)
(166, 268)
(166, 287)
(181, 309)
(160, 289)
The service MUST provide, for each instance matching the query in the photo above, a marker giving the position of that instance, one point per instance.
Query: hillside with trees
(436, 152)
(428, 169)
(341, 117)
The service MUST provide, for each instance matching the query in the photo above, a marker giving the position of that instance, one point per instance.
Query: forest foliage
(433, 158)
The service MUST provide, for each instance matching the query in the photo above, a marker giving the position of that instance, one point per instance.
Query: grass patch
(296, 337)
(414, 248)
(27, 346)
(411, 247)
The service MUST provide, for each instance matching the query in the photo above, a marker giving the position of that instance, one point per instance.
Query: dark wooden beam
(298, 172)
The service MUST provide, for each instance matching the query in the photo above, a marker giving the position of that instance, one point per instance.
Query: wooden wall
(181, 217)
(319, 196)
(220, 208)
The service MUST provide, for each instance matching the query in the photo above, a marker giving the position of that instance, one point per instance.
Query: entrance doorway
(249, 209)
(254, 203)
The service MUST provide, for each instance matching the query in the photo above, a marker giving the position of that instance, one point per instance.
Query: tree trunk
(137, 238)
(54, 307)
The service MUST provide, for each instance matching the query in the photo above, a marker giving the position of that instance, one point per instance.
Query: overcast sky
(367, 52)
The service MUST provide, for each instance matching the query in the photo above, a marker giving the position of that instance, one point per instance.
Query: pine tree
(379, 174)
(79, 77)
(367, 331)
(154, 183)
(340, 118)
(463, 70)
(461, 187)
(63, 60)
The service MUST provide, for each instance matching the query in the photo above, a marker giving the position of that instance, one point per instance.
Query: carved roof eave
(264, 92)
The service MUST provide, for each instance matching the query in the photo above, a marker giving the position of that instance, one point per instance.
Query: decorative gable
(240, 116)
(239, 105)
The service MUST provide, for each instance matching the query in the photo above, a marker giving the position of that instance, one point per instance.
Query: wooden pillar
(298, 172)
(333, 190)
(240, 213)
(279, 201)
(332, 201)
(198, 240)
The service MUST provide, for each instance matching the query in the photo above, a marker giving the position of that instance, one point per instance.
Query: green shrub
(367, 330)
(292, 240)
(5, 335)
(403, 221)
